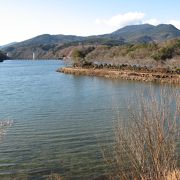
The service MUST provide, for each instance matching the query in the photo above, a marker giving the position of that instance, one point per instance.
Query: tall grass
(146, 144)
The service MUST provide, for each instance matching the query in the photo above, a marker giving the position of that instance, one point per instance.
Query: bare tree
(146, 144)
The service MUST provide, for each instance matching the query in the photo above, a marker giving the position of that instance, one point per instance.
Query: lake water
(60, 120)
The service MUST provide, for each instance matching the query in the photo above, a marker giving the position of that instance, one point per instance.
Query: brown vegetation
(124, 74)
(145, 145)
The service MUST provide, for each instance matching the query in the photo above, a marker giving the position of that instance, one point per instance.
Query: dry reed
(146, 145)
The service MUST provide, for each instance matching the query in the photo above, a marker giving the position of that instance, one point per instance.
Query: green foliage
(164, 53)
(78, 55)
(176, 44)
(177, 70)
(168, 51)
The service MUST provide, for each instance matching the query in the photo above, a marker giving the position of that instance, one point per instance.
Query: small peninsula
(160, 75)
(151, 62)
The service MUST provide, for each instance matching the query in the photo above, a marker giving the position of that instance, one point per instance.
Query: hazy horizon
(23, 19)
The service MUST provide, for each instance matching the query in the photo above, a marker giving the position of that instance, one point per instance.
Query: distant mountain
(6, 45)
(47, 46)
(41, 45)
(147, 33)
(51, 39)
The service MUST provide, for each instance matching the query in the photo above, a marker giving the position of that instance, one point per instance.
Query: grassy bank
(124, 74)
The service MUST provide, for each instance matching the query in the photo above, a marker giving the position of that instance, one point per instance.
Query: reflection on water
(60, 120)
(4, 125)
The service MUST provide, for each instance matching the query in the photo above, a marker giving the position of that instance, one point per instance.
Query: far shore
(123, 74)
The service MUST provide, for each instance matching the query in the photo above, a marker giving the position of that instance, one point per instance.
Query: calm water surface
(60, 121)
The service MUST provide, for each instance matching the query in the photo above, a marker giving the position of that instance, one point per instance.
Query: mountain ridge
(45, 45)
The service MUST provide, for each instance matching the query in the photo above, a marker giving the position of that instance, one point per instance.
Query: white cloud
(122, 20)
(156, 22)
(175, 23)
(131, 18)
(153, 21)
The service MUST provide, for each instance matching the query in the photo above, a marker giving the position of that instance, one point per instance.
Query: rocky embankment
(124, 74)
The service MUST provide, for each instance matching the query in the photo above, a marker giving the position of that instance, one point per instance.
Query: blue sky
(23, 19)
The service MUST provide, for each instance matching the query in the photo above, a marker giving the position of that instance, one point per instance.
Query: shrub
(77, 54)
(177, 70)
(145, 147)
(164, 53)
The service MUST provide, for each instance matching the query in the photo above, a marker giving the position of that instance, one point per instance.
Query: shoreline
(123, 74)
